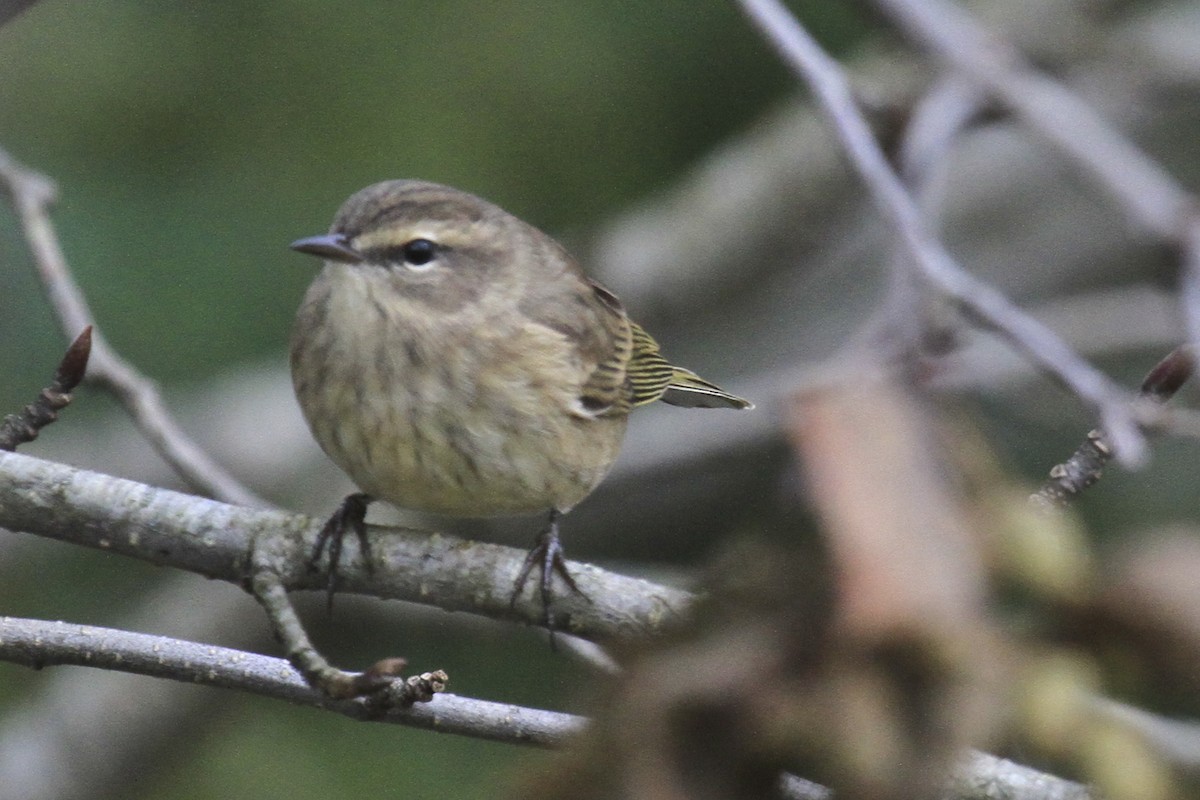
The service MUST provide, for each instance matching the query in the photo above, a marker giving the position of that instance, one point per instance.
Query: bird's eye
(419, 252)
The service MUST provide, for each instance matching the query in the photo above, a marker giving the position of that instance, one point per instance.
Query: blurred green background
(191, 142)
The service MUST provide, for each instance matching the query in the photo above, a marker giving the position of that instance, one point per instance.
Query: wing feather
(623, 366)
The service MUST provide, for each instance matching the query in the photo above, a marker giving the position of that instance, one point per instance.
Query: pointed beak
(333, 246)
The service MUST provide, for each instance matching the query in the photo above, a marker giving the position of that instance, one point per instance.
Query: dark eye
(419, 252)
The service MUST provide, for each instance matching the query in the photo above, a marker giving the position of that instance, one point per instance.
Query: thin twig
(381, 681)
(1189, 281)
(12, 8)
(17, 429)
(827, 81)
(909, 325)
(32, 195)
(588, 652)
(38, 644)
(1176, 740)
(1152, 199)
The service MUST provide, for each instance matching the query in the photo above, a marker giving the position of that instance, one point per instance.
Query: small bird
(453, 359)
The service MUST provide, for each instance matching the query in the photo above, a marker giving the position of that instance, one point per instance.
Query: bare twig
(382, 681)
(1151, 198)
(17, 429)
(35, 643)
(1189, 281)
(1176, 740)
(32, 194)
(909, 325)
(588, 652)
(1086, 465)
(828, 83)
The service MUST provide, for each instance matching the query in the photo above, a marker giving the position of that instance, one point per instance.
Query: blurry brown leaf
(904, 557)
(912, 646)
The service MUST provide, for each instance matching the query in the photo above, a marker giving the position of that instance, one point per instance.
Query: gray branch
(215, 539)
(219, 541)
(35, 643)
(830, 86)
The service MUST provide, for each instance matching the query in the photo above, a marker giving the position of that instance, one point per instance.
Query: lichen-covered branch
(220, 541)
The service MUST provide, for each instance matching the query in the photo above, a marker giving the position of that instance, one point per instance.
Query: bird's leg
(351, 514)
(547, 556)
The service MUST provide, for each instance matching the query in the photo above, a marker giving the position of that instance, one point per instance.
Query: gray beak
(333, 246)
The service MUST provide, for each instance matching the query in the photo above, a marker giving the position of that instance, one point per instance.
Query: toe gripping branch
(547, 556)
(350, 516)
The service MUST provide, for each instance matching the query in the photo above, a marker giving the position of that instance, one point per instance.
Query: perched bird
(451, 358)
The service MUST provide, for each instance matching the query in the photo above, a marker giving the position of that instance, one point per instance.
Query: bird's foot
(546, 556)
(351, 515)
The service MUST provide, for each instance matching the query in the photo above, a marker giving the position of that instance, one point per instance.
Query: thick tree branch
(216, 540)
(985, 777)
(219, 541)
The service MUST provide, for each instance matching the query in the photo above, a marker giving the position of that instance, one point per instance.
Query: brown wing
(607, 390)
(622, 363)
(594, 321)
(635, 372)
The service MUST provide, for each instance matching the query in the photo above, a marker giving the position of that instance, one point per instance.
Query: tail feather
(689, 390)
(652, 377)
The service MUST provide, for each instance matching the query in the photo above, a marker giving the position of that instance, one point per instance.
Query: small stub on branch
(17, 429)
(1085, 467)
